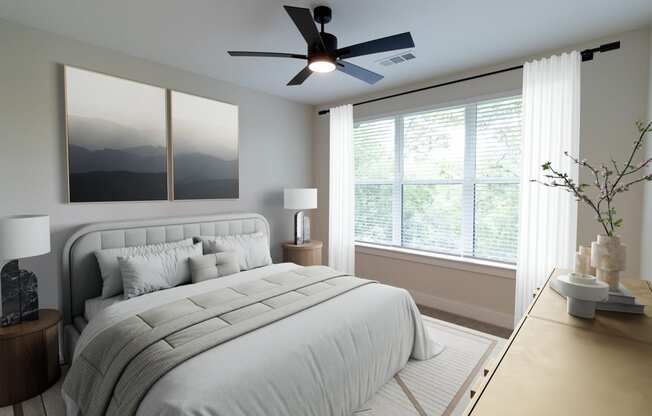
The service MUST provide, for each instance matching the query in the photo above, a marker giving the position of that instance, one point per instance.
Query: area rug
(439, 386)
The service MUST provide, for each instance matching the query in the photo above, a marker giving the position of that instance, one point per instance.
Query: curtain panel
(341, 245)
(547, 216)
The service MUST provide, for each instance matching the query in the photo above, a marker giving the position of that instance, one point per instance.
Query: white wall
(614, 96)
(646, 229)
(275, 143)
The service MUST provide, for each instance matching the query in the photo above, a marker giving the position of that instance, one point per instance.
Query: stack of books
(621, 301)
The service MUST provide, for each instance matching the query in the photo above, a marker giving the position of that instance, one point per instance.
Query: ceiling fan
(324, 55)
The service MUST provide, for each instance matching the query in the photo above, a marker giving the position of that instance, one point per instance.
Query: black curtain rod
(587, 55)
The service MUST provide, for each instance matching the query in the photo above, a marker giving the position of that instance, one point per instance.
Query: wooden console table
(556, 364)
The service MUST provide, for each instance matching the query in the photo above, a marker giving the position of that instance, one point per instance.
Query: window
(442, 180)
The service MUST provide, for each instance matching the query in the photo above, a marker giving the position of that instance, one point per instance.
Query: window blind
(443, 180)
(375, 160)
(498, 145)
(433, 153)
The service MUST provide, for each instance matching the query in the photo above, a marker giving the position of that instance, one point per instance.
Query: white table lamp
(299, 199)
(20, 237)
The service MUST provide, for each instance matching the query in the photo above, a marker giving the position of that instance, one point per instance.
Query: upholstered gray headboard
(81, 275)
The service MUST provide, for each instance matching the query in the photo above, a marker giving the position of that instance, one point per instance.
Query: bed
(324, 358)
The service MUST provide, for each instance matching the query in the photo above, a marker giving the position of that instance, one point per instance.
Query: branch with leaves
(609, 181)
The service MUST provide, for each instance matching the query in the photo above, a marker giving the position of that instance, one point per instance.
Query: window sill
(502, 270)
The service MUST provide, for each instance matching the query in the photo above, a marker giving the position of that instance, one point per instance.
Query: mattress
(93, 307)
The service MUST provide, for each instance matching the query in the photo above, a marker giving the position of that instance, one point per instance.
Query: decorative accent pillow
(252, 249)
(212, 266)
(110, 268)
(155, 271)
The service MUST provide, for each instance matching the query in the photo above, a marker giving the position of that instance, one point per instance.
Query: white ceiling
(450, 35)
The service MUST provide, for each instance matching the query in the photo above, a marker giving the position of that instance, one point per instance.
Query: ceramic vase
(608, 258)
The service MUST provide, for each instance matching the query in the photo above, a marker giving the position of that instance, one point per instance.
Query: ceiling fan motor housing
(330, 42)
(323, 15)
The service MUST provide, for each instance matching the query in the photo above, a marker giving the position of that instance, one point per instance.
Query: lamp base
(306, 229)
(298, 228)
(19, 295)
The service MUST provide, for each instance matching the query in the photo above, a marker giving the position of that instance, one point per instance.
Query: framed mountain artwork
(116, 137)
(204, 140)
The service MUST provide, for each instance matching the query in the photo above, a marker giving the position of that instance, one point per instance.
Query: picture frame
(204, 142)
(116, 138)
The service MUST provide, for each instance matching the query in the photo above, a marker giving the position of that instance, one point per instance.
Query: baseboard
(464, 309)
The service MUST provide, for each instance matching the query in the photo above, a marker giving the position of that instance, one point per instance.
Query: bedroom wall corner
(320, 167)
(646, 229)
(275, 143)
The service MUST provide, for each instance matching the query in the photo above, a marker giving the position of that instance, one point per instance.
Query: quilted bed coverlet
(282, 340)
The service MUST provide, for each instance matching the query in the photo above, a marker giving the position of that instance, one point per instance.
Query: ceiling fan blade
(267, 54)
(300, 77)
(359, 72)
(389, 43)
(306, 25)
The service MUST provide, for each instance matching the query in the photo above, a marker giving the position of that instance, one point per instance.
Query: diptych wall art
(117, 142)
(204, 147)
(123, 134)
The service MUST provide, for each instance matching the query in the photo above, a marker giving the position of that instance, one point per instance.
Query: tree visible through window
(443, 180)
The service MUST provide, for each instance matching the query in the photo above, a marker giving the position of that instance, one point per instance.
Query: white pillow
(252, 249)
(212, 266)
(155, 271)
(110, 268)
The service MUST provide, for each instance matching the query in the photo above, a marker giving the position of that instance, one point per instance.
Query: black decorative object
(10, 294)
(19, 295)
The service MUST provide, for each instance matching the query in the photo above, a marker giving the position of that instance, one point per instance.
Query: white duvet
(327, 360)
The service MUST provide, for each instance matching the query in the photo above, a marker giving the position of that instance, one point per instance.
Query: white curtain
(341, 248)
(547, 216)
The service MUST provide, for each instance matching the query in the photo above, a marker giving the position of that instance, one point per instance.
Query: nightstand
(29, 359)
(307, 254)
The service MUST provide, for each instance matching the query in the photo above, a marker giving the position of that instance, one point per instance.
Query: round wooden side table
(307, 254)
(29, 359)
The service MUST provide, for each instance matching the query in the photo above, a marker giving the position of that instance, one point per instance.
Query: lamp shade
(300, 198)
(24, 236)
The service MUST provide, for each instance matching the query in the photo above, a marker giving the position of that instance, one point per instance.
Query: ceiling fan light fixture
(323, 53)
(322, 66)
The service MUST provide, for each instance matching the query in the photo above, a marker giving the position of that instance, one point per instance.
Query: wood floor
(50, 403)
(467, 322)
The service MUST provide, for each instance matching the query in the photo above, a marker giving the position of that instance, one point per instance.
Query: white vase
(608, 258)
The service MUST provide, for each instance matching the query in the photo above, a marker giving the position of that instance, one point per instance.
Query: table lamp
(20, 237)
(299, 199)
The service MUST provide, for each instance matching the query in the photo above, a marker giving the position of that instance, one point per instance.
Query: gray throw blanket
(119, 366)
